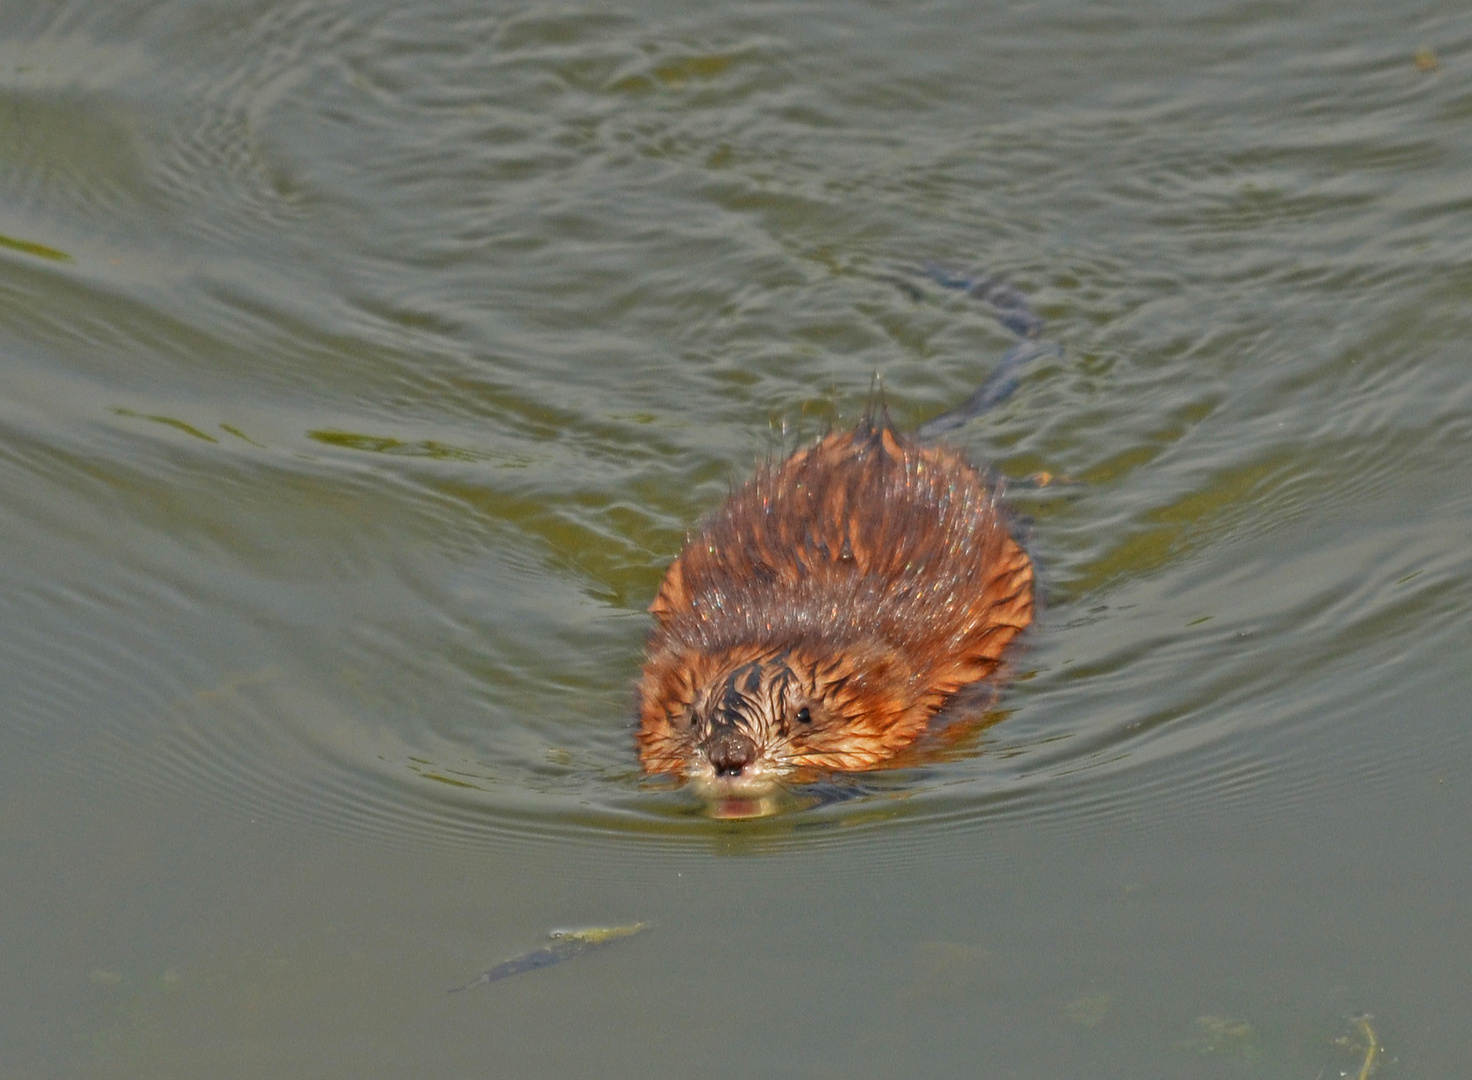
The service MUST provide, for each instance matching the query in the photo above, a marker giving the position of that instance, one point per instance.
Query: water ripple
(393, 351)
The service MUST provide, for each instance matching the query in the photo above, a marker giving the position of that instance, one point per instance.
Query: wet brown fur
(866, 579)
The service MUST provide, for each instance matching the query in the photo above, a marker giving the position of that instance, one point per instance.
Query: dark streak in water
(168, 421)
(565, 945)
(30, 247)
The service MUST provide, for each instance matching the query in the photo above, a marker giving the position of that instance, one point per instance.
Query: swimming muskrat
(836, 603)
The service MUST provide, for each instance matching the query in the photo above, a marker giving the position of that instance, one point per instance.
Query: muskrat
(835, 603)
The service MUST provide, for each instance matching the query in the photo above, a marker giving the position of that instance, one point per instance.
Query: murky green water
(362, 366)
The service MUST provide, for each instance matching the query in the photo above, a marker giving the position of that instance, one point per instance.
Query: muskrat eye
(803, 716)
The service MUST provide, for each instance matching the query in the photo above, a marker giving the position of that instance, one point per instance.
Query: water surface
(362, 367)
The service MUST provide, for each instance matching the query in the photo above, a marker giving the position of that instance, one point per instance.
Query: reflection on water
(366, 365)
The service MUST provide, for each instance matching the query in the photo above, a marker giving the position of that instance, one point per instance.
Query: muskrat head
(737, 725)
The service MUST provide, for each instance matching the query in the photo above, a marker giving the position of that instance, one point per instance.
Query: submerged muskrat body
(827, 611)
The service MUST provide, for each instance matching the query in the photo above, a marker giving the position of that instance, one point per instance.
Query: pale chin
(756, 793)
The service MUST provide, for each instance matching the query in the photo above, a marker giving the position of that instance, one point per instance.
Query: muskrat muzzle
(728, 750)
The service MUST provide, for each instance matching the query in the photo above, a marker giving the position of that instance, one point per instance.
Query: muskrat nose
(729, 751)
